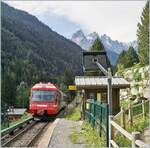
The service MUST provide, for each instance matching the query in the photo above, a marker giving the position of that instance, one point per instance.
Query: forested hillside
(32, 52)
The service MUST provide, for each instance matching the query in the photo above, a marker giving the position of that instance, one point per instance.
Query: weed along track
(27, 137)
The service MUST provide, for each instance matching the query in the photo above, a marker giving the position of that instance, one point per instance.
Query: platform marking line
(44, 143)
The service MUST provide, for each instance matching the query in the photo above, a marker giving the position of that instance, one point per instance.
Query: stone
(141, 70)
(134, 91)
(140, 89)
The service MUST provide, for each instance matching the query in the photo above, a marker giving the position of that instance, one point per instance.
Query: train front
(43, 100)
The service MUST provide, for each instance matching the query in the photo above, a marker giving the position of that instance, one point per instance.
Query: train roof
(44, 86)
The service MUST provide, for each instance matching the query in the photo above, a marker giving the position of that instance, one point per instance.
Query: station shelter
(95, 87)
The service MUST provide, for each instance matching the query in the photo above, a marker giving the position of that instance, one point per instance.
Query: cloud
(118, 19)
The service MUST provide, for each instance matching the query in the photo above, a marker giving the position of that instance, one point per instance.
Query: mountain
(32, 52)
(24, 37)
(113, 47)
(80, 38)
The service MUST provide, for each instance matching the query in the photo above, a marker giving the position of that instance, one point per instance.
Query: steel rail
(12, 138)
(15, 126)
(35, 137)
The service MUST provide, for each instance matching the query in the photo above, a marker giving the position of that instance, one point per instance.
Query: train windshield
(43, 95)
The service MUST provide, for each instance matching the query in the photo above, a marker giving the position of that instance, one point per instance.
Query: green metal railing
(15, 126)
(4, 117)
(98, 114)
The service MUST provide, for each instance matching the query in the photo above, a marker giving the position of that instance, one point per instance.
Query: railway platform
(57, 135)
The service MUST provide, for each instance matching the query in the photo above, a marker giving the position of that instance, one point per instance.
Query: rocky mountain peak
(113, 47)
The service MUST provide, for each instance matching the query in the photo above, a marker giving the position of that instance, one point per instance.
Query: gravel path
(60, 137)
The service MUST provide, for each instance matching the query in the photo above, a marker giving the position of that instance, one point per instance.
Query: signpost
(94, 60)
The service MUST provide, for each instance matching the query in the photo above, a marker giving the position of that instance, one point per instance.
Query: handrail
(141, 143)
(120, 129)
(132, 137)
(114, 144)
(11, 128)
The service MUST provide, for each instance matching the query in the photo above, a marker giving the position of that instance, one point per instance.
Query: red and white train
(45, 99)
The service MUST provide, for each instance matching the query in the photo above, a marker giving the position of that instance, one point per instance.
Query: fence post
(123, 124)
(111, 129)
(93, 113)
(107, 125)
(143, 109)
(135, 136)
(130, 115)
(100, 120)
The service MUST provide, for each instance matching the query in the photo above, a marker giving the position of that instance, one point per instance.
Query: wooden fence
(134, 137)
(129, 113)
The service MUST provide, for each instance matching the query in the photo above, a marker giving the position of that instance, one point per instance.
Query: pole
(109, 95)
(109, 79)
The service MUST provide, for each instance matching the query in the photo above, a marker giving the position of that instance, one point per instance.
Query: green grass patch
(139, 124)
(122, 141)
(75, 115)
(88, 136)
(74, 137)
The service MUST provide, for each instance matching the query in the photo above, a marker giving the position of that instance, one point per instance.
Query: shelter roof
(93, 82)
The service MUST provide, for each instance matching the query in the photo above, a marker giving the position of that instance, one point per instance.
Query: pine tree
(122, 58)
(22, 95)
(143, 36)
(131, 57)
(128, 58)
(97, 45)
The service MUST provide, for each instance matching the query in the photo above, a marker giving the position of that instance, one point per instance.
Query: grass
(139, 124)
(87, 135)
(75, 115)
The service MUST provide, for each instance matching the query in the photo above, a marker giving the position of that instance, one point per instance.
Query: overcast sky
(117, 19)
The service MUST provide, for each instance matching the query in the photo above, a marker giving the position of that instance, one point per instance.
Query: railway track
(25, 137)
(27, 133)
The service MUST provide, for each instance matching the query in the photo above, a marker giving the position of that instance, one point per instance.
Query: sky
(117, 19)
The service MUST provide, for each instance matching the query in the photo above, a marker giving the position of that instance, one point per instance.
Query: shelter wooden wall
(115, 97)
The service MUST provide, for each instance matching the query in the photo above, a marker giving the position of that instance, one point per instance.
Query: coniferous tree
(22, 95)
(131, 57)
(122, 58)
(97, 45)
(143, 36)
(127, 58)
